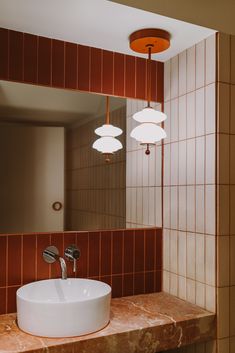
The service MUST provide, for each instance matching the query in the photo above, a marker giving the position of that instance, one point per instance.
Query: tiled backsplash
(129, 260)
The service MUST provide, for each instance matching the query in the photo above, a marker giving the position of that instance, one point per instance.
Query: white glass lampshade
(107, 144)
(148, 133)
(108, 130)
(149, 115)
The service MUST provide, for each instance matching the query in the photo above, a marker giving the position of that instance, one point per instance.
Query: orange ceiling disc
(157, 39)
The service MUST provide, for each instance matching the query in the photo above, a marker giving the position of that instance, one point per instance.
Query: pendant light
(149, 41)
(107, 144)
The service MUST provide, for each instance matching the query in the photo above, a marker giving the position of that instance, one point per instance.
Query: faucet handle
(72, 253)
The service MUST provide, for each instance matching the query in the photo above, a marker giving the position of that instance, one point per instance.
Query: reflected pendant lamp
(149, 132)
(107, 143)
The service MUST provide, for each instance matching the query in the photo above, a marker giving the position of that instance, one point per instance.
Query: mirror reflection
(51, 179)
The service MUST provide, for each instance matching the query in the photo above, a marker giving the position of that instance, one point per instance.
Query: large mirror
(51, 179)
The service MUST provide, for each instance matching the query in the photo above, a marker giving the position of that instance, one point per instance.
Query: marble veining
(145, 323)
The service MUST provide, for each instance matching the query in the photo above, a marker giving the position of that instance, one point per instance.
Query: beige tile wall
(95, 190)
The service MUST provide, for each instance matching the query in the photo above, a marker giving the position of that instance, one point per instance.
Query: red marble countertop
(142, 323)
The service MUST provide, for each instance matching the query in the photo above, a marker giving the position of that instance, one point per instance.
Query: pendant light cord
(149, 76)
(107, 111)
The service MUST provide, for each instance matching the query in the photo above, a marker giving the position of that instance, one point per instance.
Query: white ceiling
(98, 23)
(28, 103)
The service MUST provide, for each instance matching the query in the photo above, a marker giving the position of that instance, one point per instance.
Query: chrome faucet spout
(63, 268)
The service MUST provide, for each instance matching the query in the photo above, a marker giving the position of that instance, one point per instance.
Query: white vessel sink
(63, 308)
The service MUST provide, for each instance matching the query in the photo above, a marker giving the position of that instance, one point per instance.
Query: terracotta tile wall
(95, 190)
(143, 176)
(129, 260)
(226, 194)
(44, 61)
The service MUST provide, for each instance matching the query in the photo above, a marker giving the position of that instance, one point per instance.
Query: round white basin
(63, 308)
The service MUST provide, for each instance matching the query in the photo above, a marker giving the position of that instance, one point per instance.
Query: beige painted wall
(31, 178)
(95, 190)
(215, 14)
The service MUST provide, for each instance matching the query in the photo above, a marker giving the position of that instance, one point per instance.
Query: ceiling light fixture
(107, 143)
(149, 41)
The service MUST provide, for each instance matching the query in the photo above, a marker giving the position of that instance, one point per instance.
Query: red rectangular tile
(15, 56)
(43, 268)
(11, 299)
(138, 283)
(128, 250)
(160, 82)
(14, 259)
(3, 296)
(71, 65)
(4, 53)
(83, 68)
(106, 279)
(107, 72)
(82, 265)
(117, 286)
(139, 250)
(117, 252)
(57, 240)
(3, 254)
(57, 63)
(119, 74)
(30, 58)
(159, 250)
(141, 78)
(130, 76)
(94, 254)
(105, 256)
(44, 61)
(149, 282)
(69, 239)
(96, 63)
(158, 281)
(29, 258)
(128, 282)
(149, 249)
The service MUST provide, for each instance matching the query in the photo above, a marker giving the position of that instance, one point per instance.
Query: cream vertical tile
(166, 282)
(167, 122)
(200, 64)
(174, 163)
(210, 298)
(200, 160)
(128, 169)
(210, 209)
(128, 204)
(145, 169)
(222, 261)
(139, 167)
(152, 167)
(191, 208)
(210, 159)
(191, 123)
(182, 208)
(128, 107)
(223, 312)
(232, 159)
(174, 251)
(191, 162)
(200, 111)
(223, 106)
(200, 209)
(210, 262)
(158, 206)
(174, 120)
(151, 206)
(182, 73)
(166, 249)
(133, 205)
(210, 116)
(182, 163)
(174, 76)
(223, 158)
(223, 51)
(210, 59)
(128, 131)
(145, 206)
(223, 209)
(223, 345)
(191, 251)
(139, 205)
(174, 207)
(232, 114)
(133, 180)
(167, 80)
(232, 310)
(232, 209)
(182, 287)
(200, 294)
(191, 290)
(166, 207)
(158, 166)
(182, 118)
(173, 284)
(182, 253)
(200, 258)
(232, 260)
(167, 164)
(191, 69)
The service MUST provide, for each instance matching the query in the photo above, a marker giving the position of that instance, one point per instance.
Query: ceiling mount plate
(157, 39)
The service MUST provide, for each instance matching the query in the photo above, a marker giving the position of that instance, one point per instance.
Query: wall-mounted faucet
(72, 253)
